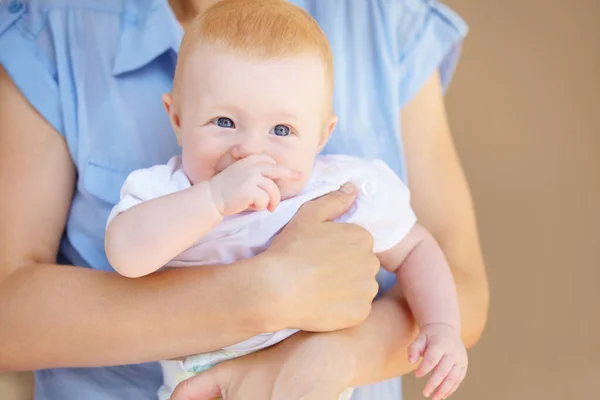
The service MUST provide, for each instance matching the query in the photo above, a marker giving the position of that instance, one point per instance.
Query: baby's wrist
(210, 199)
(443, 325)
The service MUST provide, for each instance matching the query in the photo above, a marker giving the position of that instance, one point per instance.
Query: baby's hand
(441, 348)
(249, 183)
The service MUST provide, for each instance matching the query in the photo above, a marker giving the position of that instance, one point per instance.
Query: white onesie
(382, 207)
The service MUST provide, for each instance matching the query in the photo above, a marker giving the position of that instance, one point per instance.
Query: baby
(252, 108)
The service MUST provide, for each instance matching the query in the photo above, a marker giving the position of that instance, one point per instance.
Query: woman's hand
(320, 275)
(305, 366)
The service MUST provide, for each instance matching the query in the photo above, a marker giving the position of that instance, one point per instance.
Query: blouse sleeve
(25, 53)
(429, 38)
(383, 205)
(150, 183)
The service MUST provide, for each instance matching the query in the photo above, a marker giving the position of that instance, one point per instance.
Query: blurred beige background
(525, 111)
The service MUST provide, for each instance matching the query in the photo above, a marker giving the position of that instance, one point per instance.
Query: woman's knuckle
(366, 311)
(373, 290)
(369, 239)
(352, 320)
(375, 265)
(354, 231)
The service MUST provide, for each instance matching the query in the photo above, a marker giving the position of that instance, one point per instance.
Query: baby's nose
(250, 145)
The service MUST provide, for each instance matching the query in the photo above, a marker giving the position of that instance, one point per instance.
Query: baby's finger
(276, 171)
(431, 358)
(439, 375)
(463, 373)
(449, 383)
(272, 191)
(257, 159)
(261, 200)
(416, 349)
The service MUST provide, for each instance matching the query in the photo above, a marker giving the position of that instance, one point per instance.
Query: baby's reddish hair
(263, 29)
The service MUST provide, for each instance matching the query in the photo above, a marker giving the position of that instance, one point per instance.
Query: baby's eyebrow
(286, 115)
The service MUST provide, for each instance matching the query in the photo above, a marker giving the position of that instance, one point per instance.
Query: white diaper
(176, 371)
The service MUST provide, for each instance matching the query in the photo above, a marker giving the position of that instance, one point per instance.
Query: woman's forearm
(379, 345)
(59, 316)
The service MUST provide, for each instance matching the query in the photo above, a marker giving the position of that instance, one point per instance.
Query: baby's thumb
(417, 348)
(335, 204)
(200, 387)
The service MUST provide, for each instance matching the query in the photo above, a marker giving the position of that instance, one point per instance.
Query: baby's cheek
(289, 188)
(197, 170)
(301, 163)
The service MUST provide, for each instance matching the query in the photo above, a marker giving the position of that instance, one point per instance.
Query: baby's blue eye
(224, 122)
(281, 130)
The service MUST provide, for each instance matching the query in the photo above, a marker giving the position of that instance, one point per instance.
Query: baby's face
(233, 107)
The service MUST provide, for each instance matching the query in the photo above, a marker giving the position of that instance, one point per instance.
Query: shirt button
(128, 18)
(15, 6)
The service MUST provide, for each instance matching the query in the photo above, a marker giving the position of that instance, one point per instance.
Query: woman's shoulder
(35, 40)
(401, 22)
(402, 14)
(31, 18)
(44, 44)
(414, 37)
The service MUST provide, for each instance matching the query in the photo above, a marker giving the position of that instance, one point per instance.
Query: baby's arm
(424, 278)
(145, 237)
(148, 235)
(428, 286)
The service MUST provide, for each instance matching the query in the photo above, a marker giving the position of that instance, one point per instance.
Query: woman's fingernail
(347, 188)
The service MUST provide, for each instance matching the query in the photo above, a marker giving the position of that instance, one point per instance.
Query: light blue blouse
(96, 70)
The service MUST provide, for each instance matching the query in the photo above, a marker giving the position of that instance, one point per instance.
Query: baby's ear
(167, 99)
(327, 131)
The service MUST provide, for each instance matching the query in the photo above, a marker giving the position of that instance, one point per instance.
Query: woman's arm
(57, 316)
(317, 366)
(52, 315)
(442, 201)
